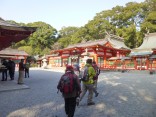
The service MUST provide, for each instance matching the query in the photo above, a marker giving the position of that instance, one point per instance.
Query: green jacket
(91, 73)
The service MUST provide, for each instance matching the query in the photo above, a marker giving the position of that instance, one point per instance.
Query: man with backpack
(87, 81)
(69, 85)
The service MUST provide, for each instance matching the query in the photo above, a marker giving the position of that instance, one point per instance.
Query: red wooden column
(104, 59)
(135, 63)
(147, 62)
(96, 58)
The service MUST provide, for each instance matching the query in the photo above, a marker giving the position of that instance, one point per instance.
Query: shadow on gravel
(121, 95)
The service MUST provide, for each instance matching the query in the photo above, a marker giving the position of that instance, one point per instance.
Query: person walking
(88, 84)
(27, 70)
(70, 87)
(21, 72)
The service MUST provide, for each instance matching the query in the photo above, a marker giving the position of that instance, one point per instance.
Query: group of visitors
(70, 85)
(10, 66)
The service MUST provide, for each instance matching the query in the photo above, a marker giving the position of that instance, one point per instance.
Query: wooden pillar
(135, 63)
(96, 58)
(147, 62)
(141, 63)
(151, 61)
(61, 65)
(104, 62)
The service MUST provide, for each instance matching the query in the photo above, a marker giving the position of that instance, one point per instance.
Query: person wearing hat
(69, 91)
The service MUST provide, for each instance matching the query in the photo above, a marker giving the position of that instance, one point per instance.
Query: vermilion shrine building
(110, 53)
(99, 50)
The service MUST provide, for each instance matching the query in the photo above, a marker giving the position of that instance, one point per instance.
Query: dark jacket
(21, 66)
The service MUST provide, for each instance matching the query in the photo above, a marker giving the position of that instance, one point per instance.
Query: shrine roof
(120, 58)
(10, 26)
(149, 42)
(9, 51)
(88, 43)
(13, 33)
(116, 42)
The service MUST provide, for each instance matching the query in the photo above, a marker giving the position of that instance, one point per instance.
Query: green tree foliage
(27, 49)
(65, 35)
(149, 24)
(42, 38)
(130, 36)
(80, 35)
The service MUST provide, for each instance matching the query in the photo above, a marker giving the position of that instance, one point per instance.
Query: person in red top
(21, 72)
(71, 92)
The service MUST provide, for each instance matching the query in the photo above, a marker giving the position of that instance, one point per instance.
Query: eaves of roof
(144, 53)
(9, 51)
(9, 26)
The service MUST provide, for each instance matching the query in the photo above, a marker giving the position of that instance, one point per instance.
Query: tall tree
(149, 24)
(43, 37)
(65, 35)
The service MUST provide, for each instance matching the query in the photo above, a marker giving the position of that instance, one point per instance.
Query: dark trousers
(70, 105)
(4, 75)
(11, 73)
(26, 73)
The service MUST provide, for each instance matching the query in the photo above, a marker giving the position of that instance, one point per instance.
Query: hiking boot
(96, 94)
(91, 103)
(77, 101)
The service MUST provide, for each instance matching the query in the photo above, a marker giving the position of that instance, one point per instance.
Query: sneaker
(96, 94)
(91, 103)
(77, 101)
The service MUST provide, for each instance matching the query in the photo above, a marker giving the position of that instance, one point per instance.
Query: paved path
(121, 95)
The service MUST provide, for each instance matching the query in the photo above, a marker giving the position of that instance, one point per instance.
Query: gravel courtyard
(121, 95)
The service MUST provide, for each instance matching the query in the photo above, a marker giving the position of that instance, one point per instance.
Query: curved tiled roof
(149, 42)
(9, 51)
(10, 26)
(116, 42)
(89, 43)
(13, 33)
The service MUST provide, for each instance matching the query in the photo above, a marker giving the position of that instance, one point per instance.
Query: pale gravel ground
(121, 95)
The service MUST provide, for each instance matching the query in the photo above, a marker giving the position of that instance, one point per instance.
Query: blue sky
(57, 13)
